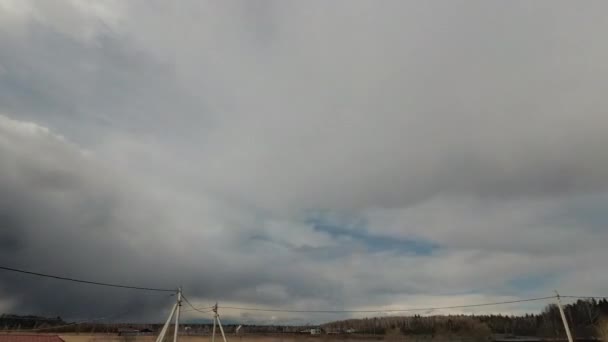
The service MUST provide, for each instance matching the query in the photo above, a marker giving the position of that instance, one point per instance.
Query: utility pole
(216, 319)
(174, 311)
(564, 320)
(161, 336)
(179, 306)
(214, 322)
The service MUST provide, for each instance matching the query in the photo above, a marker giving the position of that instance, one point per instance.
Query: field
(288, 338)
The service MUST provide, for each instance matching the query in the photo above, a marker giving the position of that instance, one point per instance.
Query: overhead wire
(198, 310)
(85, 281)
(386, 310)
(585, 297)
(389, 310)
(209, 308)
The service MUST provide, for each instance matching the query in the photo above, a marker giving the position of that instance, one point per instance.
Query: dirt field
(115, 338)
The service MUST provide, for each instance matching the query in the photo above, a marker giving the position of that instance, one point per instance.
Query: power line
(198, 310)
(208, 309)
(194, 308)
(585, 297)
(84, 281)
(387, 310)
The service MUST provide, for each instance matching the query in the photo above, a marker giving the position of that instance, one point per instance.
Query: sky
(305, 155)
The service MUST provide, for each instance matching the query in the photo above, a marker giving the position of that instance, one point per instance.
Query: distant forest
(586, 319)
(12, 322)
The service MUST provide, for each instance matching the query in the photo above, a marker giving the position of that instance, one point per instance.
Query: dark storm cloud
(65, 214)
(58, 218)
(10, 238)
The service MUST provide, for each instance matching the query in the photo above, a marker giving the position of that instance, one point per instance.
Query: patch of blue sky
(356, 233)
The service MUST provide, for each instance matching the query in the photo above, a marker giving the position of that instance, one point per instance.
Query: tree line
(28, 322)
(584, 316)
(587, 319)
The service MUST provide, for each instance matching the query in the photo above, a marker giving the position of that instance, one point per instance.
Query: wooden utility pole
(216, 319)
(177, 310)
(564, 320)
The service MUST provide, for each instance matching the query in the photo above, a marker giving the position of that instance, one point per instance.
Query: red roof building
(29, 338)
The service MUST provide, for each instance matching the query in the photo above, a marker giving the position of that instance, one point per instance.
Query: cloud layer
(301, 155)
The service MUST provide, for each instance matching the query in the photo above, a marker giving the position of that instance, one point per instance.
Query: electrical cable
(84, 281)
(386, 310)
(209, 309)
(194, 308)
(585, 297)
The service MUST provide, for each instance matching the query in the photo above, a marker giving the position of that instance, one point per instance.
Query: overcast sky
(302, 154)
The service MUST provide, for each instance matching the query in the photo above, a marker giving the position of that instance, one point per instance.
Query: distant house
(312, 331)
(128, 332)
(29, 338)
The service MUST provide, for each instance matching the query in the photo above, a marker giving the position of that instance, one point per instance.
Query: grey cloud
(399, 116)
(226, 272)
(10, 239)
(375, 110)
(59, 224)
(199, 127)
(89, 87)
(86, 221)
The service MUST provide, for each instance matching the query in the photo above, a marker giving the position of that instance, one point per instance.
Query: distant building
(128, 332)
(315, 331)
(29, 338)
(312, 331)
